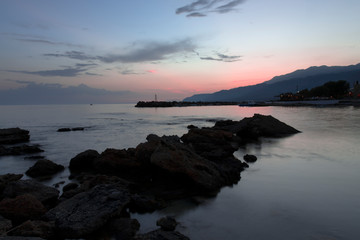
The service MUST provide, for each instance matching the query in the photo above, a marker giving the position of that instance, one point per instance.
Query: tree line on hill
(333, 89)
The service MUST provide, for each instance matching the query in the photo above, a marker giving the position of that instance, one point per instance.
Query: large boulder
(22, 208)
(257, 126)
(5, 225)
(46, 195)
(178, 160)
(84, 161)
(87, 212)
(43, 168)
(13, 135)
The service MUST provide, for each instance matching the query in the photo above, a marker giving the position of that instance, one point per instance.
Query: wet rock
(87, 212)
(46, 195)
(22, 208)
(35, 228)
(264, 126)
(144, 204)
(64, 130)
(250, 158)
(44, 167)
(179, 160)
(78, 129)
(117, 162)
(19, 150)
(13, 135)
(161, 234)
(167, 223)
(84, 161)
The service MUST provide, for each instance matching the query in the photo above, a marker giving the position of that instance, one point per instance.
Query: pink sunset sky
(172, 48)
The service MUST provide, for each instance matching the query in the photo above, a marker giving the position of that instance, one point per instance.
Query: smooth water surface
(305, 186)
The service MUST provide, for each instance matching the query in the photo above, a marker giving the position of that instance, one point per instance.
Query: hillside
(297, 80)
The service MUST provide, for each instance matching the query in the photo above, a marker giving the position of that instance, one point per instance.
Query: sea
(302, 187)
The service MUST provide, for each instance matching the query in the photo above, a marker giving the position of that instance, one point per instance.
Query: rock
(22, 208)
(13, 135)
(178, 160)
(46, 195)
(19, 150)
(118, 162)
(87, 212)
(78, 129)
(20, 238)
(167, 223)
(264, 126)
(5, 225)
(70, 186)
(123, 228)
(64, 130)
(44, 167)
(144, 204)
(250, 158)
(7, 178)
(34, 228)
(161, 234)
(84, 161)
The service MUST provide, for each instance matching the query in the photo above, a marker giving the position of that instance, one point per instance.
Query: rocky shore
(107, 187)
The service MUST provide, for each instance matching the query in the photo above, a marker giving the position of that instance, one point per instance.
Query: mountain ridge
(297, 80)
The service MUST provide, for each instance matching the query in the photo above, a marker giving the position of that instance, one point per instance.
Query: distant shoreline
(322, 103)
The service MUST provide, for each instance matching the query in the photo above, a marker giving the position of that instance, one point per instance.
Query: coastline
(307, 103)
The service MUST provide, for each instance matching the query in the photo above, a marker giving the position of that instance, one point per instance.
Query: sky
(172, 48)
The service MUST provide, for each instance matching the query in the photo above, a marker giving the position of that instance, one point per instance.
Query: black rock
(44, 167)
(250, 158)
(167, 223)
(13, 135)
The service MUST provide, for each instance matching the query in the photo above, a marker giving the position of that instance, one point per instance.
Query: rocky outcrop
(71, 129)
(256, 127)
(44, 168)
(13, 135)
(87, 212)
(250, 158)
(84, 161)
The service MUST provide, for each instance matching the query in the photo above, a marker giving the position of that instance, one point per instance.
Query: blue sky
(175, 48)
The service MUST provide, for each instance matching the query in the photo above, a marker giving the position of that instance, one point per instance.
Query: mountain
(291, 82)
(35, 93)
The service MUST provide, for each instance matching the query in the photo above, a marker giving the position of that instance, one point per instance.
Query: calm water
(302, 187)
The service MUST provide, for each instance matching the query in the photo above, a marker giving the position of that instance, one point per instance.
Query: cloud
(220, 57)
(44, 41)
(150, 51)
(67, 72)
(201, 8)
(71, 54)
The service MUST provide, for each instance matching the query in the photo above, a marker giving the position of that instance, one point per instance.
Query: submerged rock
(167, 223)
(19, 150)
(161, 234)
(250, 158)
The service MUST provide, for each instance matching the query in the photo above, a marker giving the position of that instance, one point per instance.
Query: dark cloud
(221, 57)
(151, 51)
(72, 54)
(201, 8)
(67, 72)
(45, 41)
